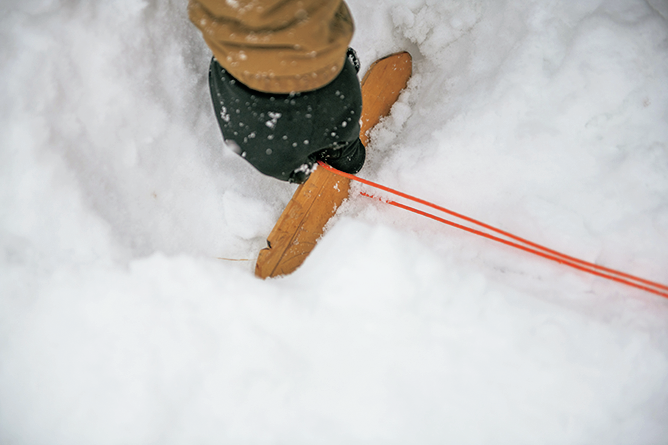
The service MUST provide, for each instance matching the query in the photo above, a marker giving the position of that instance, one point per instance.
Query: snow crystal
(306, 168)
(274, 119)
(224, 115)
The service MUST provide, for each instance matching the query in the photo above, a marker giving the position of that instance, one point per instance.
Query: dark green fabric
(284, 135)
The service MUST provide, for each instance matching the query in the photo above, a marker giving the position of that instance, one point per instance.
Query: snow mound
(129, 312)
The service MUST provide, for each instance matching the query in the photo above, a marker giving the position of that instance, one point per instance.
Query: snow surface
(119, 322)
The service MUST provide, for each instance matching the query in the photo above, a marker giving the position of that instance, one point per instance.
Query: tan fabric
(276, 46)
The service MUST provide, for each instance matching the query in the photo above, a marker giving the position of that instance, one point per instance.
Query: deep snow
(119, 322)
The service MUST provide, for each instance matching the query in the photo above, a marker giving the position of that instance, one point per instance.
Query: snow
(129, 312)
(274, 119)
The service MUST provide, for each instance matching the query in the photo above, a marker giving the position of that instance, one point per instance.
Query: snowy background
(119, 322)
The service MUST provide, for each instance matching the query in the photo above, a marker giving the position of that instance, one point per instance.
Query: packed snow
(129, 312)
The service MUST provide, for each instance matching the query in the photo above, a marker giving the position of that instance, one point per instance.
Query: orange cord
(536, 249)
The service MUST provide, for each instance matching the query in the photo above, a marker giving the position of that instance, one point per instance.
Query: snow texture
(123, 318)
